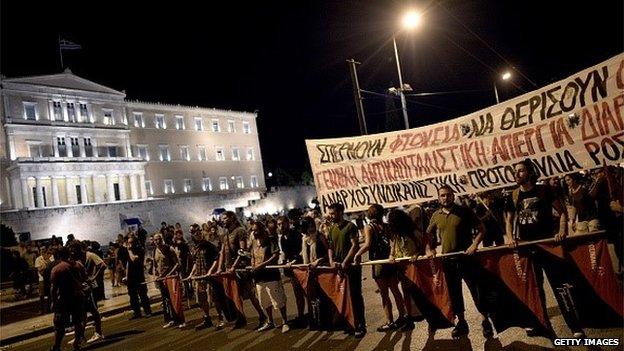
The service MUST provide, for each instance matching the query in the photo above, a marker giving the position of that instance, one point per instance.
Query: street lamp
(505, 76)
(410, 21)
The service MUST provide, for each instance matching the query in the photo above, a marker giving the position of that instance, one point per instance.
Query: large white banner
(565, 127)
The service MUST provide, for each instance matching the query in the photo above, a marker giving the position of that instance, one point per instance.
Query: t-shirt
(380, 242)
(404, 246)
(92, 262)
(67, 278)
(340, 236)
(40, 264)
(290, 245)
(534, 217)
(260, 252)
(164, 259)
(453, 228)
(204, 255)
(136, 268)
(232, 238)
(584, 205)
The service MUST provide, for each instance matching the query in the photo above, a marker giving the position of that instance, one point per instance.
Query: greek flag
(68, 45)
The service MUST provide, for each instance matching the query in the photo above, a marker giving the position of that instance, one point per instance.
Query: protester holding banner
(289, 241)
(529, 211)
(234, 244)
(205, 256)
(313, 244)
(405, 241)
(166, 264)
(377, 243)
(264, 251)
(343, 244)
(454, 224)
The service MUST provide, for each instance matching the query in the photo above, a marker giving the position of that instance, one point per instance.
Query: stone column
(122, 187)
(69, 147)
(83, 189)
(55, 193)
(12, 153)
(142, 186)
(111, 187)
(16, 195)
(97, 195)
(39, 190)
(70, 191)
(81, 146)
(94, 147)
(133, 188)
(128, 148)
(55, 146)
(26, 198)
(64, 109)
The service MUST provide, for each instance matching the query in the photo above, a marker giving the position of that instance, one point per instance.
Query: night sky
(286, 59)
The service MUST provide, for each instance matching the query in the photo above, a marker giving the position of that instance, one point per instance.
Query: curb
(50, 329)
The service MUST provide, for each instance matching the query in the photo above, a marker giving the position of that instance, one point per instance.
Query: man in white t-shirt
(41, 264)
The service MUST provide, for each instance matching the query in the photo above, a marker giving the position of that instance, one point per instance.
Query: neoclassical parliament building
(70, 142)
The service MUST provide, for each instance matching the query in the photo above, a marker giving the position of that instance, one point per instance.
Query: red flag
(231, 293)
(426, 281)
(174, 286)
(512, 292)
(582, 276)
(334, 288)
(593, 260)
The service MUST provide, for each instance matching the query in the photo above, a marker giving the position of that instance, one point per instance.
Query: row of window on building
(236, 182)
(185, 155)
(69, 113)
(180, 124)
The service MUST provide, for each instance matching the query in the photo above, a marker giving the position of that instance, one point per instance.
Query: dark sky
(286, 59)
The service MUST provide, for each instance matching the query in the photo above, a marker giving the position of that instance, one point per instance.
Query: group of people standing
(530, 212)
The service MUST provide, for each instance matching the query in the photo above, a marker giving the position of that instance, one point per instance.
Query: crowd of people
(577, 203)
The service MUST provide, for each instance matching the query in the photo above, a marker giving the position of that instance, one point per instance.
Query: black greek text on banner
(568, 126)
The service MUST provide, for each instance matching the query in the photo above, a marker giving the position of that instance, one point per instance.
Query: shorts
(62, 314)
(271, 293)
(384, 271)
(587, 226)
(245, 285)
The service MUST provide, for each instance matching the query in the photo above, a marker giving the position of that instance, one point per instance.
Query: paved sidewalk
(117, 302)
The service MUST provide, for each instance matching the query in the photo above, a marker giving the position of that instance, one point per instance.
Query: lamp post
(505, 76)
(411, 20)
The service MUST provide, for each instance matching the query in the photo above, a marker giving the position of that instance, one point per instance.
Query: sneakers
(261, 323)
(285, 328)
(220, 325)
(266, 326)
(207, 323)
(168, 325)
(182, 325)
(387, 327)
(95, 337)
(359, 333)
(71, 342)
(488, 331)
(460, 329)
(579, 334)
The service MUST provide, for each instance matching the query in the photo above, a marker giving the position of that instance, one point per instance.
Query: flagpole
(485, 249)
(60, 52)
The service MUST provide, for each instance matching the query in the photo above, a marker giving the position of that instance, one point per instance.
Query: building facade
(67, 141)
